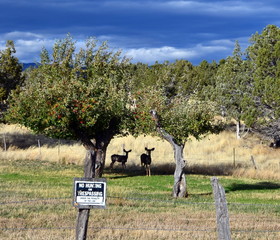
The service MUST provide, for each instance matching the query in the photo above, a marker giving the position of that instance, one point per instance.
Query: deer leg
(123, 165)
(148, 170)
(111, 165)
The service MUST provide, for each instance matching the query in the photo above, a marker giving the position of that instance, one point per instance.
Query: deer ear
(153, 149)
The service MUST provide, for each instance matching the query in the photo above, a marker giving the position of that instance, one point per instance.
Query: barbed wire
(144, 228)
(198, 229)
(175, 201)
(33, 200)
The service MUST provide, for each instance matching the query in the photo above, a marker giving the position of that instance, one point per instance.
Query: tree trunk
(180, 185)
(93, 168)
(83, 214)
(238, 129)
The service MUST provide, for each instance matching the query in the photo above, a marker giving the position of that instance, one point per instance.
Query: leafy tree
(234, 89)
(80, 95)
(176, 119)
(177, 113)
(204, 77)
(175, 78)
(10, 72)
(264, 55)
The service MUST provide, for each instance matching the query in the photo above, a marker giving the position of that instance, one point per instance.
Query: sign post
(87, 193)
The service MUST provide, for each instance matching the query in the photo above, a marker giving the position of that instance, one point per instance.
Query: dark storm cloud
(145, 30)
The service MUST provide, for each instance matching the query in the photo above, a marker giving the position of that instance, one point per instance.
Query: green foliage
(264, 54)
(234, 91)
(74, 92)
(87, 90)
(10, 71)
(181, 117)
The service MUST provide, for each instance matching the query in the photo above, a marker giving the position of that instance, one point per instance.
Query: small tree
(234, 90)
(176, 120)
(10, 73)
(77, 95)
(264, 58)
(82, 96)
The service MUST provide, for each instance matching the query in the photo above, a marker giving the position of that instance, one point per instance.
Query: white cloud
(150, 55)
(21, 35)
(29, 45)
(224, 8)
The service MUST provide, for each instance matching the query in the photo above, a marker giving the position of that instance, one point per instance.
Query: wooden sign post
(87, 193)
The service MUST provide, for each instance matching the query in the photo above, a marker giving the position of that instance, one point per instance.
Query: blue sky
(146, 30)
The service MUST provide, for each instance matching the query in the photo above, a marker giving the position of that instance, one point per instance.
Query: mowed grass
(36, 203)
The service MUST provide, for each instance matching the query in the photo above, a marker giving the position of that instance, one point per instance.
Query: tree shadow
(122, 173)
(27, 140)
(256, 186)
(201, 194)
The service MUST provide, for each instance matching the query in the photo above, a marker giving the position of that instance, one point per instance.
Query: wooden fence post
(83, 214)
(254, 162)
(40, 151)
(234, 157)
(5, 143)
(222, 217)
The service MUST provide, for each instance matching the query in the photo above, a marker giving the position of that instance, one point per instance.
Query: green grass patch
(44, 179)
(38, 194)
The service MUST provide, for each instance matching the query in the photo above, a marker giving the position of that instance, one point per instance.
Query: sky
(145, 30)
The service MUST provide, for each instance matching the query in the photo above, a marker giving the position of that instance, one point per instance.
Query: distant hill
(27, 65)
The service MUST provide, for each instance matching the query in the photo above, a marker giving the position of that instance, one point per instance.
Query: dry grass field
(37, 175)
(221, 154)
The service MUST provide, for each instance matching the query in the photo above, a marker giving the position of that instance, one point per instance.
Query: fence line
(144, 228)
(57, 143)
(115, 228)
(147, 199)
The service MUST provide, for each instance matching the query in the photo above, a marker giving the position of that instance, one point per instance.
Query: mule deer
(275, 143)
(120, 158)
(146, 160)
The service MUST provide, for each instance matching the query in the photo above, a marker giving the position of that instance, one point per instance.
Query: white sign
(89, 193)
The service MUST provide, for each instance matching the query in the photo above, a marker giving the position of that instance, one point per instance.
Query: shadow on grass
(201, 194)
(169, 169)
(122, 173)
(255, 186)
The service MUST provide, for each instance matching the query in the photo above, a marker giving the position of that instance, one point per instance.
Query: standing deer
(146, 160)
(120, 158)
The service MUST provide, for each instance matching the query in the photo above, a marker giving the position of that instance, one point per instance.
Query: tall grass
(220, 154)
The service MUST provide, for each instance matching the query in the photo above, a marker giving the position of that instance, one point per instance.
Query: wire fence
(243, 225)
